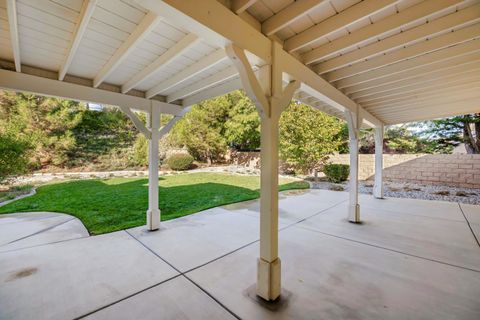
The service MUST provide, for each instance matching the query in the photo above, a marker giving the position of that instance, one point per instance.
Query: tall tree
(308, 136)
(454, 130)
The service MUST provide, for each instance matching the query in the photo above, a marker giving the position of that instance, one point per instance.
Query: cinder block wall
(462, 170)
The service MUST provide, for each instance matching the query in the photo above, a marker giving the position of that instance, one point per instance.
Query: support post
(378, 186)
(353, 132)
(153, 212)
(271, 100)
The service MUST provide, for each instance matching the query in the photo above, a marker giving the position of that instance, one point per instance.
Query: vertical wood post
(153, 212)
(378, 186)
(353, 132)
(271, 99)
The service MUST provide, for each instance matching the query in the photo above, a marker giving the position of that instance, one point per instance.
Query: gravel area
(411, 190)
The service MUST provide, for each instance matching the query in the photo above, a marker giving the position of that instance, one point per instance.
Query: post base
(354, 213)
(377, 192)
(269, 284)
(153, 219)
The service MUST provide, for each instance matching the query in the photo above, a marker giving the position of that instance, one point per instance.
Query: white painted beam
(210, 93)
(213, 80)
(10, 80)
(250, 82)
(420, 89)
(289, 14)
(214, 23)
(456, 19)
(177, 49)
(341, 20)
(396, 21)
(148, 23)
(13, 26)
(168, 127)
(425, 70)
(198, 67)
(419, 108)
(428, 96)
(136, 121)
(415, 50)
(414, 88)
(85, 14)
(419, 80)
(435, 112)
(316, 86)
(239, 6)
(427, 59)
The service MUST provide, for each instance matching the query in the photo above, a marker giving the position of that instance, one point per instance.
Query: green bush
(140, 151)
(336, 172)
(13, 156)
(180, 161)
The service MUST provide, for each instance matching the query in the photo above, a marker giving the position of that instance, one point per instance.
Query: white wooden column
(153, 212)
(378, 186)
(353, 132)
(271, 99)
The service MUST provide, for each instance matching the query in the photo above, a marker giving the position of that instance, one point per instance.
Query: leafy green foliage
(119, 203)
(308, 136)
(336, 172)
(140, 151)
(45, 123)
(449, 132)
(242, 128)
(14, 154)
(201, 130)
(180, 161)
(402, 139)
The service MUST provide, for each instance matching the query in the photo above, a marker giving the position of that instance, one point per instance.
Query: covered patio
(372, 63)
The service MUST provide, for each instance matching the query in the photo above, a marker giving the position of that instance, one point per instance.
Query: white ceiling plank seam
(148, 23)
(184, 44)
(198, 67)
(84, 18)
(14, 40)
(399, 20)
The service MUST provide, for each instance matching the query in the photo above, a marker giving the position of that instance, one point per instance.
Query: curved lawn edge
(107, 205)
(31, 193)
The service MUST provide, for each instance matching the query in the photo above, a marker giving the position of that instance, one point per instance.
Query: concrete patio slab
(71, 229)
(426, 208)
(445, 240)
(26, 216)
(191, 241)
(333, 278)
(174, 299)
(472, 214)
(20, 225)
(68, 279)
(194, 240)
(403, 262)
(294, 205)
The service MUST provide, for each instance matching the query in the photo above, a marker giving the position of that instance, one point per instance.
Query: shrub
(336, 172)
(13, 156)
(140, 151)
(180, 161)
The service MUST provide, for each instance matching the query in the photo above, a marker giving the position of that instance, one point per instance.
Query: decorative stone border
(31, 193)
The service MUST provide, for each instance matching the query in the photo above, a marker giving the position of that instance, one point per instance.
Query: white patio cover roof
(393, 61)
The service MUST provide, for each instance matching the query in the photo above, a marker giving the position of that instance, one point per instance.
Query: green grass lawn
(114, 204)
